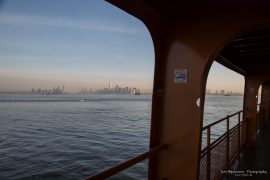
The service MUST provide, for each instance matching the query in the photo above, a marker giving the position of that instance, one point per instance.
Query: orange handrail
(111, 171)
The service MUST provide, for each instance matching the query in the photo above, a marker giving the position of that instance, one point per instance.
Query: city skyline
(215, 81)
(110, 89)
(61, 89)
(43, 44)
(222, 92)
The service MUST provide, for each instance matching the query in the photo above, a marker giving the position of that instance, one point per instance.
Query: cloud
(27, 20)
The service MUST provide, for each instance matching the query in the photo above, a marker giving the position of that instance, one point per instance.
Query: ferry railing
(215, 157)
(219, 154)
(259, 117)
(122, 166)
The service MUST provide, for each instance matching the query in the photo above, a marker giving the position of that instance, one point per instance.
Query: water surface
(73, 136)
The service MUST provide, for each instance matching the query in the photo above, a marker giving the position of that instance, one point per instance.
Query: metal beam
(225, 62)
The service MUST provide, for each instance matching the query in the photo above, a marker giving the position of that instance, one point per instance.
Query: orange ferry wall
(190, 39)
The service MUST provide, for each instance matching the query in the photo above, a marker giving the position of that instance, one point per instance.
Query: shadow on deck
(254, 160)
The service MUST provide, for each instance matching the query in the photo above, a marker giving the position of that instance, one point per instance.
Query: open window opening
(224, 96)
(76, 83)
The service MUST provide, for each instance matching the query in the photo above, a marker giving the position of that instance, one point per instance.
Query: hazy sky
(79, 44)
(221, 77)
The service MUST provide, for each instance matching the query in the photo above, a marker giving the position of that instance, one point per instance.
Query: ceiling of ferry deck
(247, 53)
(167, 9)
(250, 52)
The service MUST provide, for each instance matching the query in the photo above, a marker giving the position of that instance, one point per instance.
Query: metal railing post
(247, 126)
(239, 133)
(228, 142)
(210, 152)
(208, 173)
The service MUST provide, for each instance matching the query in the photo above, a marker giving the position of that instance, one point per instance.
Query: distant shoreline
(28, 93)
(69, 93)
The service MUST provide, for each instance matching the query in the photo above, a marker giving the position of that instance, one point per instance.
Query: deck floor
(254, 160)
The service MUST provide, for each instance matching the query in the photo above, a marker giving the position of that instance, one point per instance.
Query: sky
(80, 44)
(222, 78)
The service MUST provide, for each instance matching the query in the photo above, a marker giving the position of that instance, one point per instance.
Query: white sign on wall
(180, 75)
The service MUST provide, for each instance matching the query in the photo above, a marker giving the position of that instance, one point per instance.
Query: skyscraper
(222, 92)
(110, 86)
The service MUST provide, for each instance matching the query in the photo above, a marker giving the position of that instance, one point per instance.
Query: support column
(250, 106)
(181, 118)
(265, 100)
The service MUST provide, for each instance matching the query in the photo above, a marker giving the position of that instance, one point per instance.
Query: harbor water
(74, 136)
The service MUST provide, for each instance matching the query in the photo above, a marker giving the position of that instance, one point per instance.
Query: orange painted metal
(111, 171)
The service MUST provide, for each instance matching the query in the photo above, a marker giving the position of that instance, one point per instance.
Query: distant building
(222, 92)
(48, 91)
(110, 89)
(115, 90)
